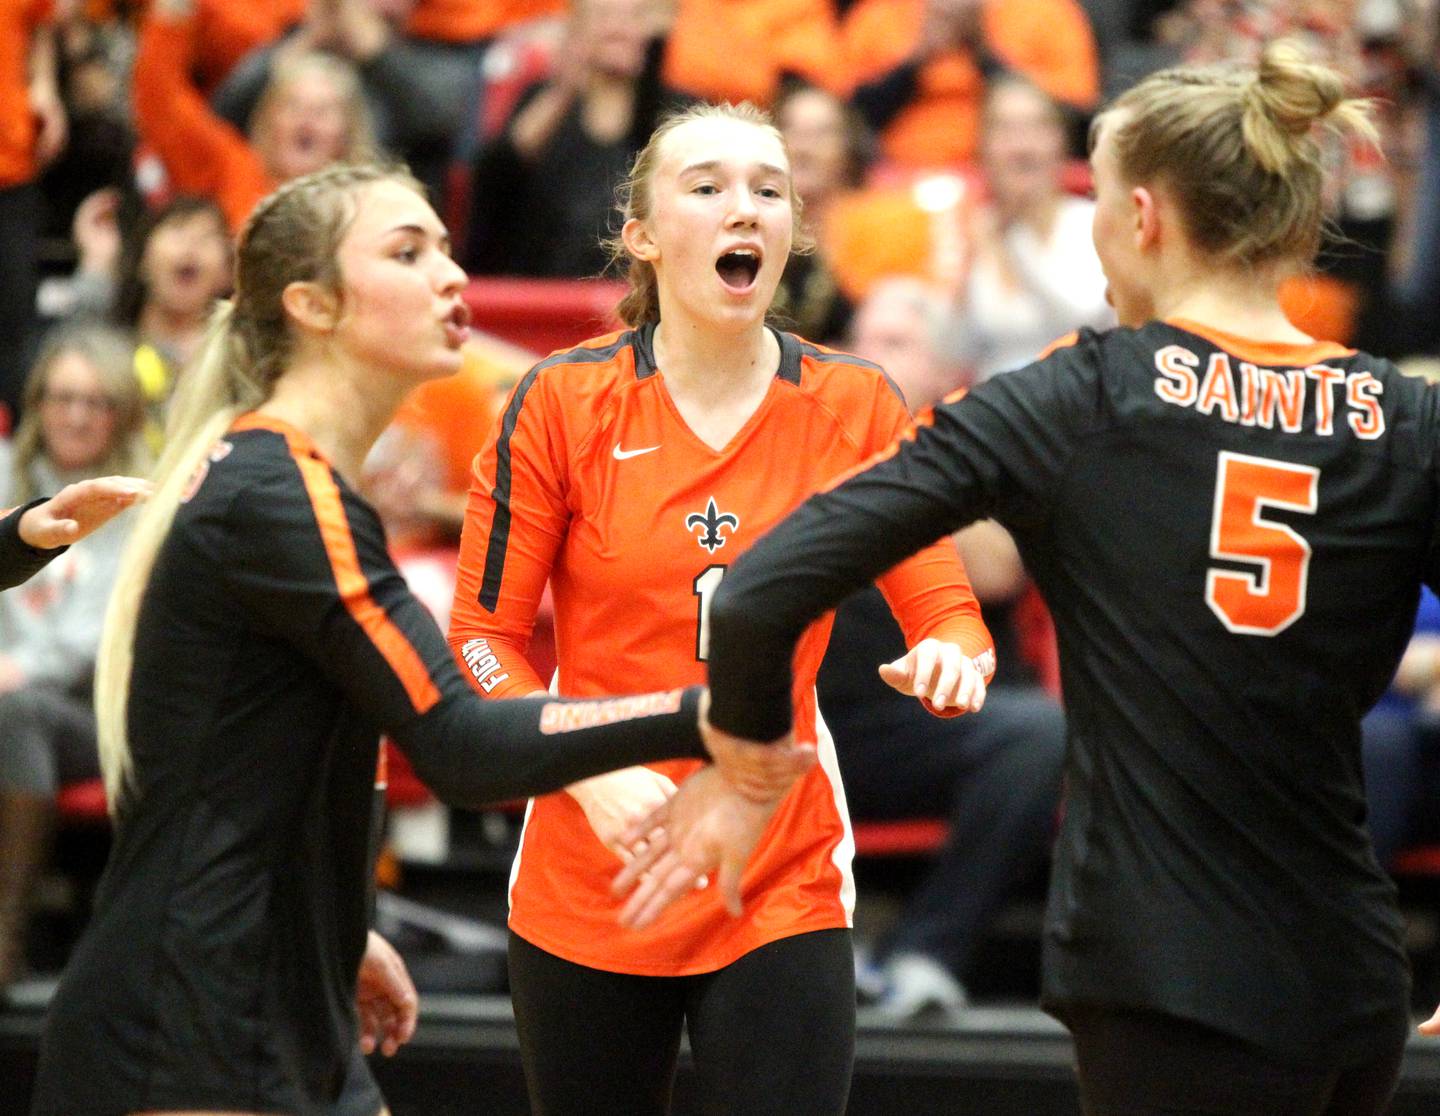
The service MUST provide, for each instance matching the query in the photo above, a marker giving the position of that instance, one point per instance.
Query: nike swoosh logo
(621, 455)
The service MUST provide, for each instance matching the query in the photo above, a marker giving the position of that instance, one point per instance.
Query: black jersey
(19, 560)
(275, 642)
(1231, 538)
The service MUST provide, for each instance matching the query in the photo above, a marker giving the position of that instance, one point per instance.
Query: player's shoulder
(579, 378)
(831, 372)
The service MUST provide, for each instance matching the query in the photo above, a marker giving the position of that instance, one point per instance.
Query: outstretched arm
(31, 536)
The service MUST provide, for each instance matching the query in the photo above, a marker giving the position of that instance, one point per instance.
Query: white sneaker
(918, 985)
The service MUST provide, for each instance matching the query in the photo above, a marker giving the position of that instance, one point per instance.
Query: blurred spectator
(94, 60)
(218, 34)
(741, 50)
(921, 66)
(310, 114)
(173, 266)
(157, 277)
(1401, 744)
(455, 414)
(1033, 273)
(901, 325)
(1419, 287)
(82, 419)
(543, 189)
(32, 133)
(995, 775)
(419, 93)
(829, 148)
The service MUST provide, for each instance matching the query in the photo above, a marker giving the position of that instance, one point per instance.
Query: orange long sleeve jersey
(593, 481)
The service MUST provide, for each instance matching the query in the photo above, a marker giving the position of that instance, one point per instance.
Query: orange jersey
(594, 481)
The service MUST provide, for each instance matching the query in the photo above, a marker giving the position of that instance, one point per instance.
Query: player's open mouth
(457, 325)
(738, 269)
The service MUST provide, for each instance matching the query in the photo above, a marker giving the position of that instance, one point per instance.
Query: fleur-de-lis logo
(710, 523)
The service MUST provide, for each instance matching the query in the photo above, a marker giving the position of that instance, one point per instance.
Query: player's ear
(313, 307)
(638, 241)
(1147, 217)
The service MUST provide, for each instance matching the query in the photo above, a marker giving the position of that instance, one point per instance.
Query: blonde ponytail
(209, 398)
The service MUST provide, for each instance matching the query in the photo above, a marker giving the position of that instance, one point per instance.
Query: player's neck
(716, 380)
(1243, 303)
(343, 415)
(715, 365)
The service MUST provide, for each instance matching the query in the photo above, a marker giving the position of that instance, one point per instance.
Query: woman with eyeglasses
(83, 413)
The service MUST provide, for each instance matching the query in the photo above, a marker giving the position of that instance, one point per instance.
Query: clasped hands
(714, 820)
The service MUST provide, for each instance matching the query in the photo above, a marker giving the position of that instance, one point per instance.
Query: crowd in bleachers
(938, 148)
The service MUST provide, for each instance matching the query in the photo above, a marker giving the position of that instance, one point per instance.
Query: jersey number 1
(1269, 599)
(706, 582)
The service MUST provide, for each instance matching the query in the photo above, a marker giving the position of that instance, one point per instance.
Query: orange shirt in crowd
(593, 481)
(459, 410)
(469, 21)
(202, 153)
(225, 31)
(737, 50)
(19, 20)
(1050, 41)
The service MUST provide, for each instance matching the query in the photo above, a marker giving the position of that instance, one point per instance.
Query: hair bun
(1288, 96)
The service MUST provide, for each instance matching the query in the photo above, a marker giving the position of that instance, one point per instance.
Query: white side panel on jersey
(844, 855)
(525, 823)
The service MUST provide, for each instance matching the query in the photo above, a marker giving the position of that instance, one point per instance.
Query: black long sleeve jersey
(18, 560)
(1231, 537)
(275, 643)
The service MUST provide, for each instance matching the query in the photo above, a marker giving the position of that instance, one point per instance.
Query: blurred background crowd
(938, 147)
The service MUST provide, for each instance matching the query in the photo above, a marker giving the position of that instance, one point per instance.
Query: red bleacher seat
(543, 315)
(83, 802)
(907, 837)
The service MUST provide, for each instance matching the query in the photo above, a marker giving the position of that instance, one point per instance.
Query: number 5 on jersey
(1268, 600)
(706, 582)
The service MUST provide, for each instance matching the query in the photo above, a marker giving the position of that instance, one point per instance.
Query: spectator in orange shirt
(921, 66)
(739, 50)
(311, 113)
(32, 132)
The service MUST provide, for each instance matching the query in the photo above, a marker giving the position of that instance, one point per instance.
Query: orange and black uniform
(1231, 537)
(275, 642)
(18, 560)
(593, 481)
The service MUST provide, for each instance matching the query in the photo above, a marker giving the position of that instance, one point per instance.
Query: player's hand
(760, 772)
(706, 827)
(385, 998)
(1431, 1026)
(939, 672)
(615, 802)
(78, 509)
